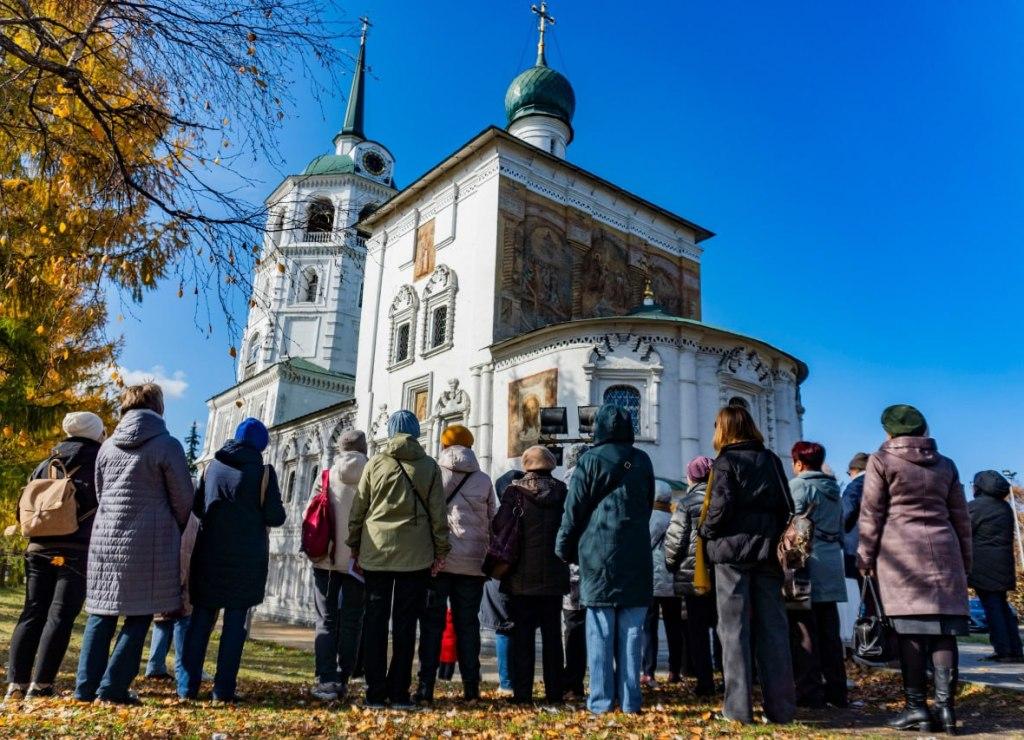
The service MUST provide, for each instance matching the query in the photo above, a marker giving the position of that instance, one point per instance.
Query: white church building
(503, 281)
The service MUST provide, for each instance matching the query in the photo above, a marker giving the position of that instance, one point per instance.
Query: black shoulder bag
(872, 633)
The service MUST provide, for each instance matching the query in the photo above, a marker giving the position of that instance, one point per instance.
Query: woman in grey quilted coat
(145, 495)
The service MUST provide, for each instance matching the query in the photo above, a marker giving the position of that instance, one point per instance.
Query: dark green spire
(353, 125)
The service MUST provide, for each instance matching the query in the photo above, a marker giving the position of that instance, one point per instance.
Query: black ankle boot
(471, 691)
(945, 699)
(424, 693)
(915, 715)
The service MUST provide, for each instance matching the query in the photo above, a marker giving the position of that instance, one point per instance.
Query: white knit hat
(83, 424)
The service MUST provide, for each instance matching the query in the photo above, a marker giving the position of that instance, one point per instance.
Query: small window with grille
(439, 326)
(402, 343)
(628, 398)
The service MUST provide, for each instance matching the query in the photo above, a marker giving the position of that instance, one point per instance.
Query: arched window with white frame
(309, 285)
(319, 220)
(439, 310)
(403, 315)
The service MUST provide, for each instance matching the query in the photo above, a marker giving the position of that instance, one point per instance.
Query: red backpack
(318, 523)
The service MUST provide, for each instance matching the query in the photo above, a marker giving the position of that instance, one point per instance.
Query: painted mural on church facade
(526, 397)
(557, 263)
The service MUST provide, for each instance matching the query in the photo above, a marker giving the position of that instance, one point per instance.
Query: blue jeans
(229, 652)
(615, 650)
(163, 633)
(501, 643)
(106, 674)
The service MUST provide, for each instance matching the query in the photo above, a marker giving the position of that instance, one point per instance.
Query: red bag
(318, 523)
(449, 653)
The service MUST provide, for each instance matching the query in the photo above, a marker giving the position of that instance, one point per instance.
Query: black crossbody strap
(618, 475)
(455, 491)
(416, 492)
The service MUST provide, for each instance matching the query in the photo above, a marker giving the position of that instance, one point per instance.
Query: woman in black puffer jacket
(748, 510)
(680, 559)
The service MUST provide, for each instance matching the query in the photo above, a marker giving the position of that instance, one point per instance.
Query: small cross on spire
(543, 20)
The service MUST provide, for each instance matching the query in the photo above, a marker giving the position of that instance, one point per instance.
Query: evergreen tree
(192, 448)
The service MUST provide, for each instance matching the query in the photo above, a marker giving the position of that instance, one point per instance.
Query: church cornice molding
(622, 220)
(603, 343)
(294, 184)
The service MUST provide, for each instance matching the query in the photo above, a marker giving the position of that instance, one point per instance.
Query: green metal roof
(540, 90)
(330, 164)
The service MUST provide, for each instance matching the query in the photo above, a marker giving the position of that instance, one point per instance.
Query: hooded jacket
(391, 526)
(80, 453)
(992, 534)
(539, 572)
(851, 514)
(749, 506)
(145, 493)
(232, 553)
(681, 540)
(470, 511)
(915, 531)
(828, 574)
(343, 486)
(607, 531)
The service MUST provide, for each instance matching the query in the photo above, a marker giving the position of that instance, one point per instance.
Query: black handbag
(872, 635)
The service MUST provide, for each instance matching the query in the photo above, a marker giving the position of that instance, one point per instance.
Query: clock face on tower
(374, 163)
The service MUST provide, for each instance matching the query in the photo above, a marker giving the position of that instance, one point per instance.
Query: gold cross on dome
(543, 20)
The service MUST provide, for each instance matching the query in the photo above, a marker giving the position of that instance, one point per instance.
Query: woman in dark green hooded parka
(605, 529)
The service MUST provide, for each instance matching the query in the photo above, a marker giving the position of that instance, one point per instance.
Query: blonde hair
(146, 396)
(734, 424)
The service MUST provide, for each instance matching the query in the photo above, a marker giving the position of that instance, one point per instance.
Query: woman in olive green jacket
(398, 533)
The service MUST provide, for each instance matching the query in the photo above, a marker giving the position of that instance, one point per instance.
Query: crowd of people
(592, 560)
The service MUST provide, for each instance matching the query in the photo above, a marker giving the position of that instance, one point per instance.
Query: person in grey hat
(55, 567)
(851, 512)
(338, 591)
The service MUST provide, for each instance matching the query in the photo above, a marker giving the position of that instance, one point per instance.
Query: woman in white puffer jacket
(338, 593)
(471, 504)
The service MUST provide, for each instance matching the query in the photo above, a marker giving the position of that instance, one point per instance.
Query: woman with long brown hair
(747, 512)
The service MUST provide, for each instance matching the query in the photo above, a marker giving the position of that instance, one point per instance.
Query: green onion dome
(540, 90)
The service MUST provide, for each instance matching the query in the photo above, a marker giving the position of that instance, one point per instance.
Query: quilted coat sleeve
(677, 539)
(960, 518)
(874, 508)
(273, 508)
(178, 481)
(438, 514)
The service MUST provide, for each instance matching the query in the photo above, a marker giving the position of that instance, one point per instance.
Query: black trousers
(700, 620)
(530, 613)
(1002, 625)
(338, 598)
(671, 609)
(575, 630)
(54, 595)
(819, 669)
(464, 592)
(394, 599)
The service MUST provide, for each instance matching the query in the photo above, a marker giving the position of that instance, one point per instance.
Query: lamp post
(1012, 477)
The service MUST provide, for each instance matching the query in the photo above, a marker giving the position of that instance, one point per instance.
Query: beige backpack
(47, 506)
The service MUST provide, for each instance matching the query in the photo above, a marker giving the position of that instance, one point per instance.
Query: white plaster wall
(465, 233)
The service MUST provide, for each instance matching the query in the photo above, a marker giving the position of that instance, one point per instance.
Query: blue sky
(862, 165)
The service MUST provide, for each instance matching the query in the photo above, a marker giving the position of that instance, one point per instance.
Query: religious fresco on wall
(526, 397)
(423, 263)
(557, 264)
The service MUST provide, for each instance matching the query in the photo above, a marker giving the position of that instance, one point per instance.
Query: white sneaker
(324, 691)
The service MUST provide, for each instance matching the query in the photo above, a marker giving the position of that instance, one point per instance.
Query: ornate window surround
(409, 390)
(626, 359)
(403, 310)
(440, 290)
(742, 372)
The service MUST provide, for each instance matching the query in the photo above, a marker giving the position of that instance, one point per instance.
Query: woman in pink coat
(915, 535)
